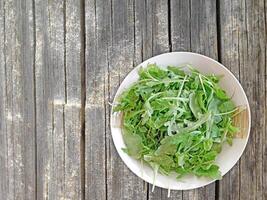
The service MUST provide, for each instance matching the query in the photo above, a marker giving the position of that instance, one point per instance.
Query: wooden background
(62, 61)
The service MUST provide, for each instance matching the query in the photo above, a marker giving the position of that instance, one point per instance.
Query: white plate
(229, 155)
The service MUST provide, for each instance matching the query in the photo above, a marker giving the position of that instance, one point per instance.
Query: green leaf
(221, 94)
(176, 121)
(213, 105)
(201, 100)
(208, 144)
(232, 128)
(204, 118)
(176, 70)
(213, 172)
(217, 147)
(229, 141)
(213, 108)
(210, 156)
(133, 143)
(226, 106)
(181, 160)
(215, 131)
(194, 106)
(164, 161)
(166, 149)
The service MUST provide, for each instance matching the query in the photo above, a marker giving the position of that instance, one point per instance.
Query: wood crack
(83, 96)
(34, 95)
(218, 29)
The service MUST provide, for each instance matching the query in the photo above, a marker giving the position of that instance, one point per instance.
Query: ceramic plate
(229, 155)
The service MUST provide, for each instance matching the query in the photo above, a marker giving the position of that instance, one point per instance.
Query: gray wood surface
(97, 20)
(243, 50)
(73, 108)
(3, 97)
(50, 99)
(58, 99)
(61, 62)
(17, 101)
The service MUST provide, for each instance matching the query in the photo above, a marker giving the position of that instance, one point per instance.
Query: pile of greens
(176, 120)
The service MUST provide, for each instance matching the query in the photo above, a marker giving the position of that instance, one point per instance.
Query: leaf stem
(226, 113)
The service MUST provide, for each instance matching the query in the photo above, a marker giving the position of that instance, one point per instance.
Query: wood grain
(73, 118)
(17, 104)
(58, 96)
(243, 50)
(97, 23)
(61, 62)
(3, 101)
(50, 99)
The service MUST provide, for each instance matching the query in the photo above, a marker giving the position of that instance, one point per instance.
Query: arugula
(176, 120)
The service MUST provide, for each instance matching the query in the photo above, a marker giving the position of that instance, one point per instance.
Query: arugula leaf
(176, 70)
(212, 172)
(176, 120)
(204, 118)
(194, 106)
(133, 143)
(226, 106)
(221, 94)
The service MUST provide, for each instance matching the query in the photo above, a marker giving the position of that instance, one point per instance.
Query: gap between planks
(34, 94)
(218, 28)
(83, 96)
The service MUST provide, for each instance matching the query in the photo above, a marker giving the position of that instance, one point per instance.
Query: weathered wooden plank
(180, 16)
(18, 174)
(50, 99)
(73, 123)
(72, 151)
(58, 96)
(207, 192)
(159, 21)
(17, 84)
(264, 137)
(142, 32)
(204, 28)
(243, 50)
(56, 183)
(121, 61)
(73, 50)
(193, 28)
(3, 98)
(97, 23)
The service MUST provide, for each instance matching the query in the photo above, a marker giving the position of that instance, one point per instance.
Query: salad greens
(176, 120)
